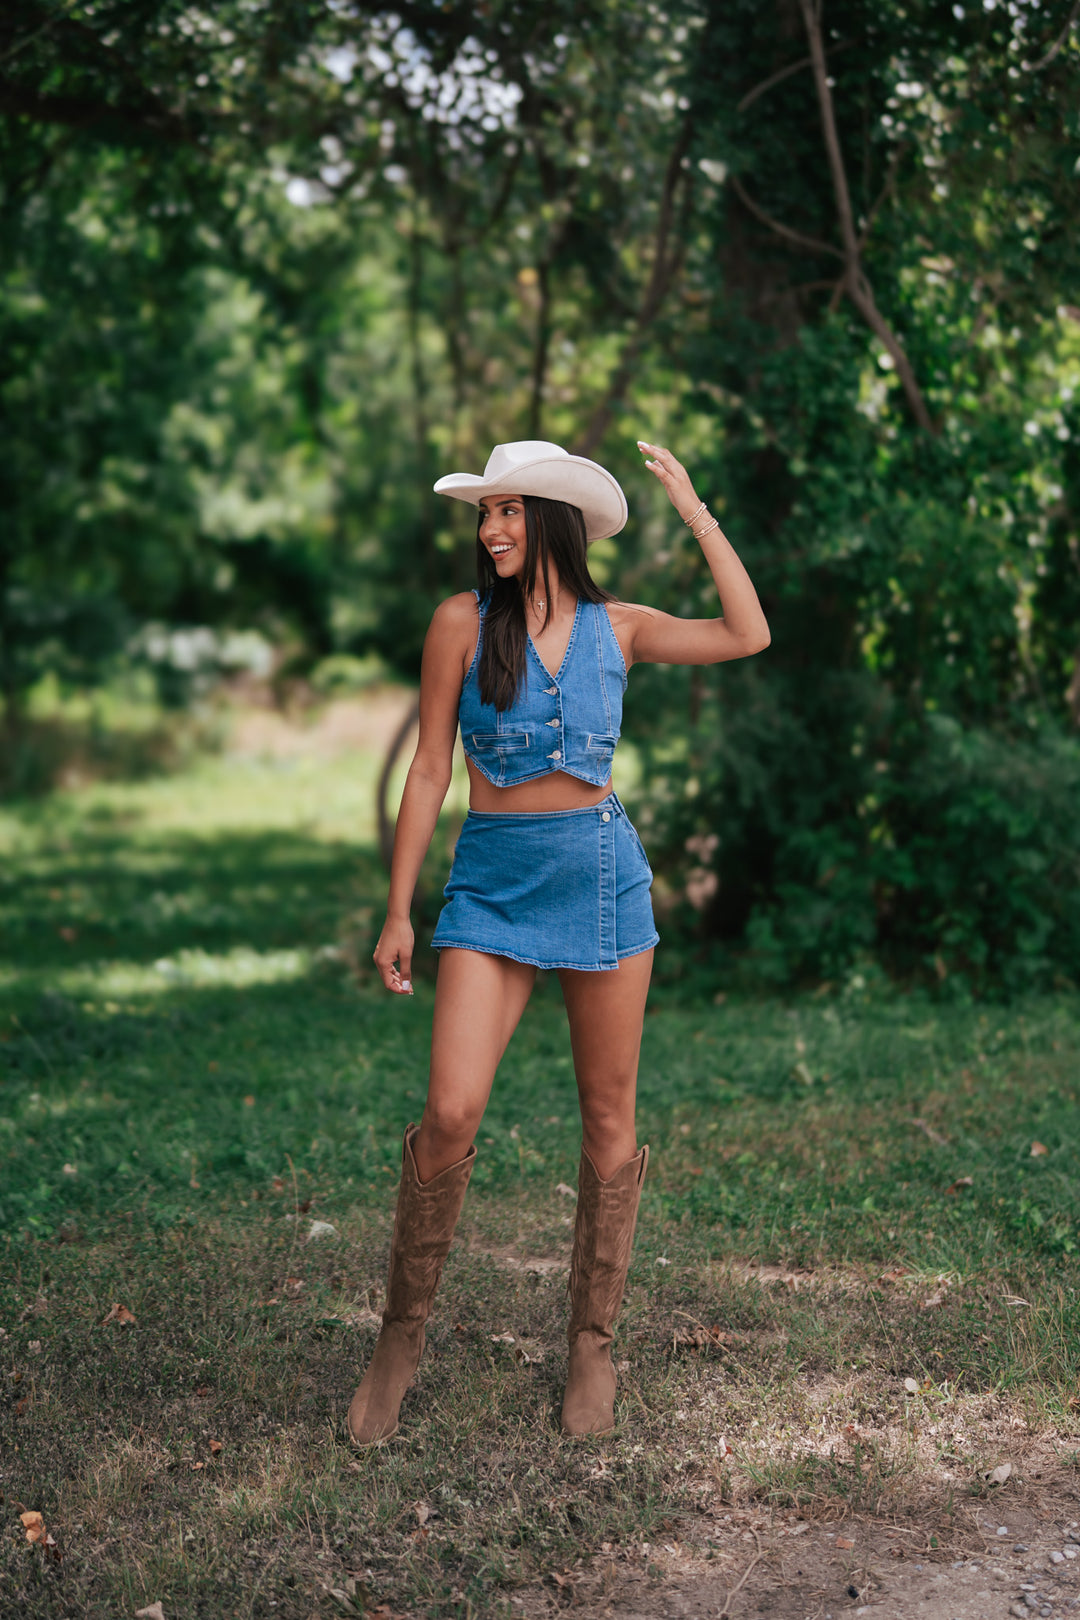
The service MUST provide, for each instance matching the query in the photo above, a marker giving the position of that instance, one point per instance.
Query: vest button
(553, 722)
(606, 816)
(556, 755)
(551, 691)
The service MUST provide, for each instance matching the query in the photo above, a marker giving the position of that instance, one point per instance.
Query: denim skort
(562, 889)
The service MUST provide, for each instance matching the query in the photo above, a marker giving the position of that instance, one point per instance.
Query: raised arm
(450, 636)
(661, 638)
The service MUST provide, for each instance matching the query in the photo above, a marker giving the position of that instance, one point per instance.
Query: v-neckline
(566, 654)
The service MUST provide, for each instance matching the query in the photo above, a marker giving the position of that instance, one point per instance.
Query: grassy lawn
(855, 1286)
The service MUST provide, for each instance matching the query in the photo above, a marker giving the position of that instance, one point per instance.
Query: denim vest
(568, 721)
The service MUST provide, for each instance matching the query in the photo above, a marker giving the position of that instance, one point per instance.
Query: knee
(450, 1121)
(606, 1115)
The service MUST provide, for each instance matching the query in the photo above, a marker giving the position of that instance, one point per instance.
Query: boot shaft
(427, 1214)
(603, 1242)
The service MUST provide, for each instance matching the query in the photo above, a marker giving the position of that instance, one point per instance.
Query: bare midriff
(558, 791)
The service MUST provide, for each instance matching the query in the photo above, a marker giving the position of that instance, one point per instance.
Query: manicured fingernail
(406, 984)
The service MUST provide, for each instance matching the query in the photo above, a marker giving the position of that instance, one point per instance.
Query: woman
(548, 872)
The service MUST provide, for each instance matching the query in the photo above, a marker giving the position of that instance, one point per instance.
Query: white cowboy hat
(535, 467)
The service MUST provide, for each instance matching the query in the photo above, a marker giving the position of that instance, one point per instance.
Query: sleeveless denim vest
(568, 721)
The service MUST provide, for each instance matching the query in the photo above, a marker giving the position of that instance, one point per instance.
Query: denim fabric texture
(559, 889)
(568, 721)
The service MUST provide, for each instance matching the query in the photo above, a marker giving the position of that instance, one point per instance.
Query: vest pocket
(505, 742)
(598, 743)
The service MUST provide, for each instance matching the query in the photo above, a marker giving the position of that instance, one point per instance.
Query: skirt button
(606, 816)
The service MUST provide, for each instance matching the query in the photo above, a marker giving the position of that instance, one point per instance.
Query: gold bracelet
(703, 534)
(690, 521)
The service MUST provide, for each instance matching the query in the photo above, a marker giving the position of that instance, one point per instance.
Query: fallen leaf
(320, 1229)
(844, 1544)
(277, 1185)
(892, 1276)
(801, 1073)
(196, 1466)
(701, 1338)
(1038, 1149)
(964, 1181)
(38, 1535)
(564, 1191)
(153, 1612)
(528, 1356)
(998, 1475)
(503, 1338)
(911, 1385)
(202, 1391)
(215, 1447)
(119, 1314)
(423, 1512)
(932, 1300)
(294, 1287)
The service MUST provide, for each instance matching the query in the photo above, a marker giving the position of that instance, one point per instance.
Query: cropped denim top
(568, 721)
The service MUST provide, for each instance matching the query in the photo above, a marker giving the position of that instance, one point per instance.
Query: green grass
(196, 1064)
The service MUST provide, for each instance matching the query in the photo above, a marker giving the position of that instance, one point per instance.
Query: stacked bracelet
(700, 534)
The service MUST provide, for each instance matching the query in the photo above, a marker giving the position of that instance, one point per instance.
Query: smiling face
(502, 533)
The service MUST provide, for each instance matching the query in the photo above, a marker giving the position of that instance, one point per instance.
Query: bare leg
(479, 1000)
(606, 1013)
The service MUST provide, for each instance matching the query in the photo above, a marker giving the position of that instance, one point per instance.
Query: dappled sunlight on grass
(198, 1064)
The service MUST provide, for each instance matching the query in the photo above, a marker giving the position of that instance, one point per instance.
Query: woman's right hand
(396, 947)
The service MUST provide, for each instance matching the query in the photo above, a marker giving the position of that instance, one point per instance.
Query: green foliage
(263, 275)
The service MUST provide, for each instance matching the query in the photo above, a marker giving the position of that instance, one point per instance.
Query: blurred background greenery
(269, 267)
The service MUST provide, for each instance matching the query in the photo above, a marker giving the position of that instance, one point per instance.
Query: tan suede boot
(427, 1213)
(603, 1239)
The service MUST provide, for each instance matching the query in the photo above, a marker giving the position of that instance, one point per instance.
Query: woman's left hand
(674, 477)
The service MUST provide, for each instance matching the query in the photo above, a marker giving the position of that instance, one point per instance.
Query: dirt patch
(1013, 1555)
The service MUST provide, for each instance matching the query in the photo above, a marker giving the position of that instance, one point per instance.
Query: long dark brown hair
(554, 533)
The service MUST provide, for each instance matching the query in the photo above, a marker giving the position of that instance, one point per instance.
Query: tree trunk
(382, 812)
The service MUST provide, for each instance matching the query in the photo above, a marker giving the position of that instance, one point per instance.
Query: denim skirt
(561, 889)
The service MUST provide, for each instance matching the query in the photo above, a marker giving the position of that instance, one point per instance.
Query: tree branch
(810, 242)
(1037, 67)
(856, 284)
(785, 73)
(664, 270)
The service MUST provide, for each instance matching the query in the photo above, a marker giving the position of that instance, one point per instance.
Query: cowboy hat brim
(574, 479)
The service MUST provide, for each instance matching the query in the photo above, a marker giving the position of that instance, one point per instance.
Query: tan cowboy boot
(603, 1238)
(427, 1213)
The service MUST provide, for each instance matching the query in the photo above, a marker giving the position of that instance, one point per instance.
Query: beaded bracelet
(702, 534)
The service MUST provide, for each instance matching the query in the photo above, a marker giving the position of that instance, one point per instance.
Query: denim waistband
(609, 803)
